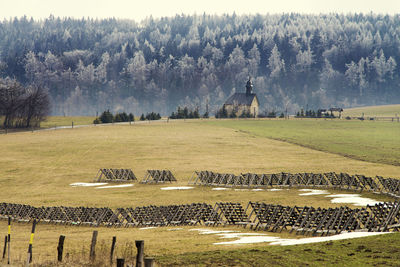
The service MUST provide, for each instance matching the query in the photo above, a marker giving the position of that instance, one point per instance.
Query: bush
(185, 113)
(142, 118)
(106, 117)
(348, 118)
(97, 121)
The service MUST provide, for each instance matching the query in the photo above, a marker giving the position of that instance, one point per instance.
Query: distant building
(243, 102)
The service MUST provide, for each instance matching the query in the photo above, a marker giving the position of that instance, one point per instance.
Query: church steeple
(249, 87)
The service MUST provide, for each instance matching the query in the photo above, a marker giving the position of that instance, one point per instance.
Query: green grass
(364, 140)
(373, 111)
(53, 121)
(370, 251)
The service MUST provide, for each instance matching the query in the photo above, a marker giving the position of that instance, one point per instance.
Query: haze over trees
(119, 65)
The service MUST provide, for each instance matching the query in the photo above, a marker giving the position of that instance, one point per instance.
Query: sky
(140, 9)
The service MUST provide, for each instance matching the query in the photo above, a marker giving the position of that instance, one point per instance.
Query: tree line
(22, 106)
(90, 65)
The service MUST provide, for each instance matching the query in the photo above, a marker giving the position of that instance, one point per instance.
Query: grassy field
(53, 121)
(37, 168)
(373, 111)
(372, 141)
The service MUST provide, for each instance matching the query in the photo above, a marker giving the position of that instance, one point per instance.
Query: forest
(197, 61)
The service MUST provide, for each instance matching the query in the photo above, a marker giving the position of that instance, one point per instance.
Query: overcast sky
(140, 9)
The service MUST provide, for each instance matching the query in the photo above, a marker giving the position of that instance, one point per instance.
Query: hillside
(295, 61)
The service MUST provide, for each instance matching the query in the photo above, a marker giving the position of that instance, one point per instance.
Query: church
(243, 102)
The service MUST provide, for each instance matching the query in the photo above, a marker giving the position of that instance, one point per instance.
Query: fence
(342, 181)
(258, 216)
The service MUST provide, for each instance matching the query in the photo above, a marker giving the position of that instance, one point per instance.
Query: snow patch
(312, 192)
(257, 189)
(241, 189)
(212, 232)
(87, 184)
(354, 199)
(251, 238)
(275, 189)
(147, 228)
(220, 188)
(345, 235)
(114, 186)
(176, 188)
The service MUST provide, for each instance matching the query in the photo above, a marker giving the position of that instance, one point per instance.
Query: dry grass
(37, 168)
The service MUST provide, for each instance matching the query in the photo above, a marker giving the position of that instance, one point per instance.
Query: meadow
(373, 111)
(37, 168)
(373, 141)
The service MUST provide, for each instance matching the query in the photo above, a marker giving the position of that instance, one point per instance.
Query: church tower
(249, 87)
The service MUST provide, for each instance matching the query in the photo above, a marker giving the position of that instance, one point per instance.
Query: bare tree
(20, 106)
(11, 100)
(36, 105)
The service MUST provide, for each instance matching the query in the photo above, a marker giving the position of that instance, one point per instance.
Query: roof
(240, 99)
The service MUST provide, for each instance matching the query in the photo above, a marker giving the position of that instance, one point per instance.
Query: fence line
(258, 216)
(341, 181)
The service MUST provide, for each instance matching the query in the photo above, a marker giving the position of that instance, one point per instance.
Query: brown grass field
(36, 168)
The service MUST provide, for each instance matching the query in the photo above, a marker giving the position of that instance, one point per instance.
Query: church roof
(240, 99)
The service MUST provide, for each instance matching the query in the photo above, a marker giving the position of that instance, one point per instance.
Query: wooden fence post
(5, 246)
(120, 262)
(140, 252)
(148, 262)
(8, 240)
(93, 246)
(60, 248)
(72, 125)
(29, 259)
(114, 240)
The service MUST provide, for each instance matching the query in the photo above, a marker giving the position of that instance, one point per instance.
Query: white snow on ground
(212, 232)
(275, 189)
(87, 184)
(257, 189)
(250, 238)
(114, 186)
(312, 192)
(240, 189)
(146, 228)
(176, 188)
(345, 235)
(220, 188)
(354, 199)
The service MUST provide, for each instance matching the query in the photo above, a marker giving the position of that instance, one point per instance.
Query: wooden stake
(114, 239)
(29, 259)
(93, 246)
(60, 248)
(9, 240)
(140, 252)
(5, 246)
(148, 262)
